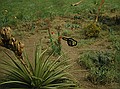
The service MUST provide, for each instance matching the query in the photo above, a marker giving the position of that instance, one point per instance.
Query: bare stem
(99, 8)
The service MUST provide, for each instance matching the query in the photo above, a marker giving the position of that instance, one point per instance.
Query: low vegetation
(92, 30)
(102, 66)
(93, 27)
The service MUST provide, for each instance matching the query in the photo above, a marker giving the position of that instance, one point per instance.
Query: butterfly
(70, 41)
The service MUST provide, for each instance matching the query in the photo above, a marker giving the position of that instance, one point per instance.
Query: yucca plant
(42, 74)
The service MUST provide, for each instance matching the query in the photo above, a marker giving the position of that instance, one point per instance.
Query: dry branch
(75, 4)
(99, 8)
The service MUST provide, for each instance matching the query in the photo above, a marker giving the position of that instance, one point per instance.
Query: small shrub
(101, 66)
(117, 66)
(72, 26)
(66, 33)
(55, 43)
(84, 61)
(115, 41)
(92, 30)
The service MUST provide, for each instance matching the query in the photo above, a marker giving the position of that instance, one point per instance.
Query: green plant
(66, 32)
(101, 67)
(5, 17)
(117, 66)
(85, 42)
(92, 30)
(114, 38)
(55, 43)
(72, 26)
(42, 74)
(84, 60)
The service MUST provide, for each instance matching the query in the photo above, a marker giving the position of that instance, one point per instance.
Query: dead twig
(75, 4)
(99, 8)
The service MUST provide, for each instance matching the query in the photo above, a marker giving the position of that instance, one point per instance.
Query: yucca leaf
(61, 85)
(39, 63)
(55, 73)
(57, 64)
(45, 65)
(17, 63)
(53, 78)
(20, 66)
(15, 72)
(28, 62)
(37, 53)
(13, 82)
(5, 65)
(49, 87)
(37, 78)
(50, 68)
(56, 67)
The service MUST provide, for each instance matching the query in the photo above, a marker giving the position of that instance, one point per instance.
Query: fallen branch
(75, 4)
